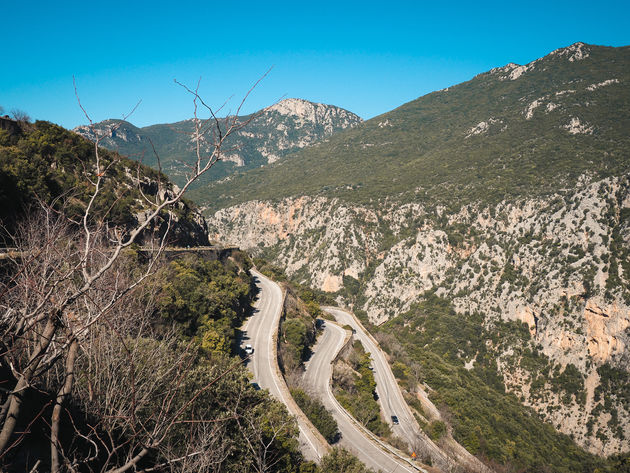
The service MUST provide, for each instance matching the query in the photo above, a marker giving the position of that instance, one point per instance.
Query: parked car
(395, 420)
(249, 349)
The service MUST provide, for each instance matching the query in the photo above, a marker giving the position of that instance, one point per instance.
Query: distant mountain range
(504, 199)
(273, 133)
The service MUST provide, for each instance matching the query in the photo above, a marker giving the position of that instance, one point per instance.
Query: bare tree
(20, 115)
(62, 326)
(261, 438)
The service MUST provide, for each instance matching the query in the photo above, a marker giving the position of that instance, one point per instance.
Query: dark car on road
(395, 420)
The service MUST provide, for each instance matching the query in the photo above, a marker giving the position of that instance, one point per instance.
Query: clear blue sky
(368, 57)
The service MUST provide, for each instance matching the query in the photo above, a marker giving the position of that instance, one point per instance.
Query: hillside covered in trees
(115, 354)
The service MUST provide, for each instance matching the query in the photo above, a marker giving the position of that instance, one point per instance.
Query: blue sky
(368, 57)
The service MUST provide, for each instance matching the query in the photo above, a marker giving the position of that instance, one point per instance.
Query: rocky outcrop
(111, 133)
(606, 325)
(307, 114)
(557, 264)
(187, 225)
(511, 71)
(292, 124)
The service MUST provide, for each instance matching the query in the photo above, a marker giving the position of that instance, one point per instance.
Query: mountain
(507, 132)
(273, 133)
(507, 198)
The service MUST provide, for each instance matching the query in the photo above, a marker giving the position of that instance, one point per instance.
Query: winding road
(390, 396)
(393, 403)
(260, 331)
(354, 438)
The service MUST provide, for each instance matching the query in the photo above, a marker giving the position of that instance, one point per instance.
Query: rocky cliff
(557, 264)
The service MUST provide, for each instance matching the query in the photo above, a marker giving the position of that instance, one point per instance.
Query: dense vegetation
(432, 343)
(208, 300)
(355, 389)
(321, 418)
(616, 381)
(339, 460)
(157, 369)
(424, 150)
(298, 332)
(46, 163)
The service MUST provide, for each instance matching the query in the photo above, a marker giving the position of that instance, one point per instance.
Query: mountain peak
(294, 106)
(109, 130)
(575, 52)
(510, 71)
(313, 111)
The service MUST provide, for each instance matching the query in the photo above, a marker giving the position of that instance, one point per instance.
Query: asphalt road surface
(317, 377)
(389, 394)
(259, 332)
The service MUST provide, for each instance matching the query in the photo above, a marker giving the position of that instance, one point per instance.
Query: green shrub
(207, 300)
(321, 418)
(436, 430)
(340, 460)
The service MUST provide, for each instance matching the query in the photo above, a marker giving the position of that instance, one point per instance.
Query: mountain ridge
(511, 131)
(271, 134)
(45, 163)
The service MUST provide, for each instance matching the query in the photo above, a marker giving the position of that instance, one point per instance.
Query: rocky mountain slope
(508, 195)
(273, 133)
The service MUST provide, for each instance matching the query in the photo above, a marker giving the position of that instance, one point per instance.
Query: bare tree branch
(75, 323)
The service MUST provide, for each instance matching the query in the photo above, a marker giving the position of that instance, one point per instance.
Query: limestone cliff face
(558, 264)
(304, 234)
(605, 325)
